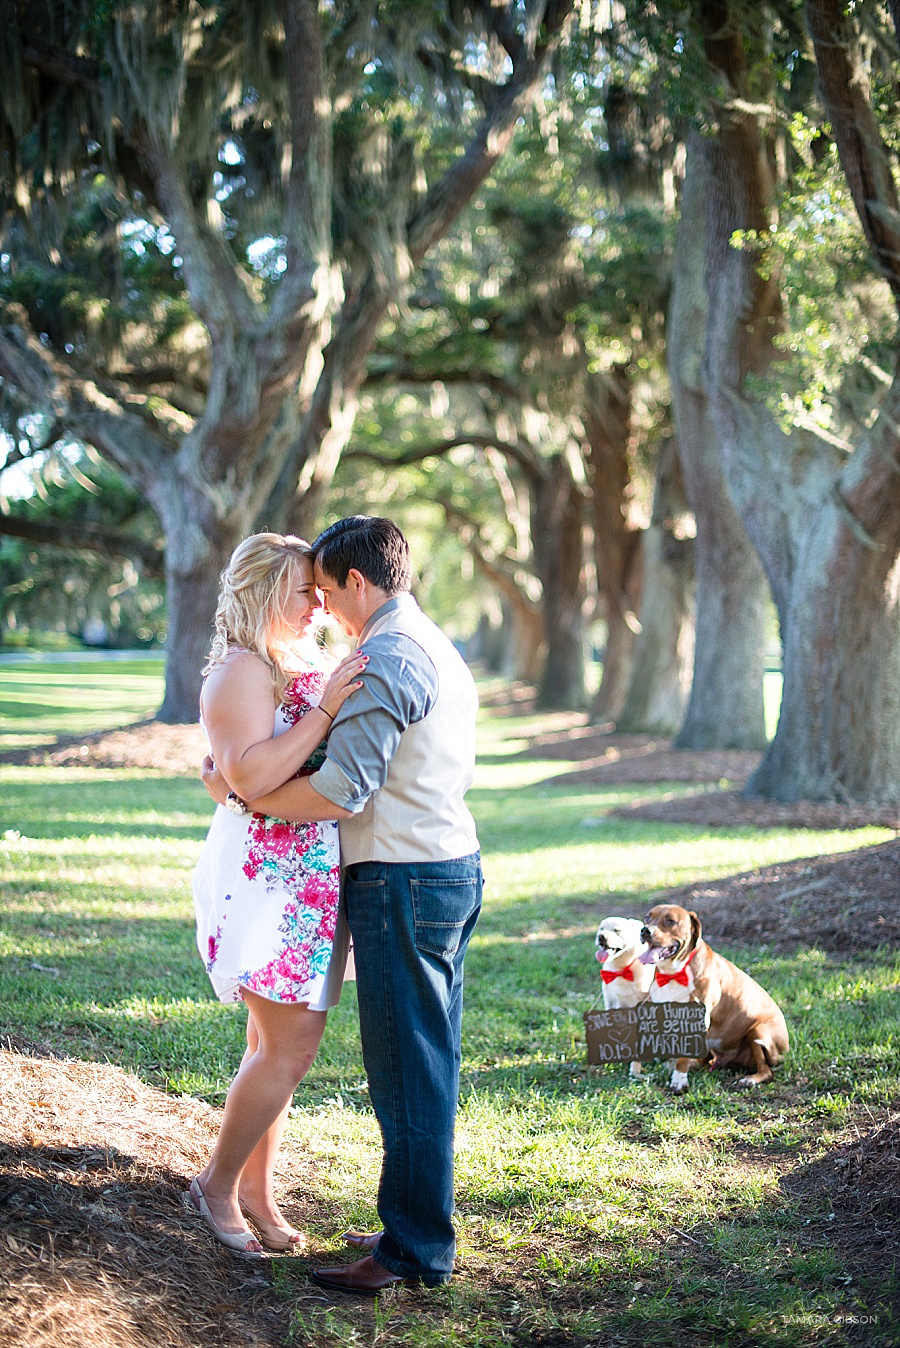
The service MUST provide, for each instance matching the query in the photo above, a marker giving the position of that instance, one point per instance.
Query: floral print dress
(267, 894)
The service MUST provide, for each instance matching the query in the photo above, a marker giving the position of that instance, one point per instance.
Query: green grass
(591, 1210)
(40, 701)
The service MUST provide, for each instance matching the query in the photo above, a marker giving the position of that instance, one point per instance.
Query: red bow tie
(609, 974)
(682, 975)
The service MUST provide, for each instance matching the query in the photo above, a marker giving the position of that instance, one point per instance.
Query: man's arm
(297, 800)
(399, 688)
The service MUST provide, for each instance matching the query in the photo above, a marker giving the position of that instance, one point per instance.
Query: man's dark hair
(369, 544)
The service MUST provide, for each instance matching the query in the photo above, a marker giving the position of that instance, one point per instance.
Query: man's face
(343, 604)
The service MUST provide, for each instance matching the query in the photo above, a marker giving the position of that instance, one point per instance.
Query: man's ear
(357, 580)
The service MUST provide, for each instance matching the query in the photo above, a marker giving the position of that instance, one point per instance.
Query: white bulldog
(626, 981)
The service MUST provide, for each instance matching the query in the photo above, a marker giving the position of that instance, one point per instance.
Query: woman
(266, 891)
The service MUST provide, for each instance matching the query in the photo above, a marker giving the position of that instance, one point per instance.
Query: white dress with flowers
(267, 894)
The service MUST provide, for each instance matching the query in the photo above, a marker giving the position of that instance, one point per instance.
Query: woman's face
(301, 601)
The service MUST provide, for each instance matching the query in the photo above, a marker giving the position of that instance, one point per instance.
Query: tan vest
(419, 814)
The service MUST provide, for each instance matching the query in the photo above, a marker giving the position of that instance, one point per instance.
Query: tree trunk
(192, 606)
(617, 543)
(618, 662)
(731, 598)
(197, 552)
(557, 534)
(827, 525)
(664, 650)
(725, 710)
(838, 733)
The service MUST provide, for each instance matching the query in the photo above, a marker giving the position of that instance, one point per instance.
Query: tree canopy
(602, 291)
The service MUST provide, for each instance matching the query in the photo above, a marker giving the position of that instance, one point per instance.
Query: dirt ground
(176, 749)
(99, 1250)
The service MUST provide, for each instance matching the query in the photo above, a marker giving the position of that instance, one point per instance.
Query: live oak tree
(286, 168)
(820, 502)
(725, 706)
(547, 276)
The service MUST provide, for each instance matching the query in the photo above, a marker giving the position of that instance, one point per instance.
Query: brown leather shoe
(364, 1277)
(362, 1240)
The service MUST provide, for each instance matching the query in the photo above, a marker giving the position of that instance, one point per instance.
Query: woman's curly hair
(254, 589)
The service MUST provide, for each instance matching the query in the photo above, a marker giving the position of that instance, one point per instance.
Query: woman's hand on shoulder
(342, 683)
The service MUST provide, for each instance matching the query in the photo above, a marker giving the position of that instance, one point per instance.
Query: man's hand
(213, 780)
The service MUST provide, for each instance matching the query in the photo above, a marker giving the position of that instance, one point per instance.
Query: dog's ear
(696, 929)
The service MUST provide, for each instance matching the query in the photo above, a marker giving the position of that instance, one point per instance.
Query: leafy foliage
(55, 586)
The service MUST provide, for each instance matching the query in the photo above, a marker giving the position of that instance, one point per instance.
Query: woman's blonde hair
(255, 587)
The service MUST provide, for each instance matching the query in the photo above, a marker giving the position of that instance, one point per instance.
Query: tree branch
(499, 568)
(61, 65)
(519, 453)
(307, 218)
(83, 407)
(419, 374)
(868, 490)
(863, 154)
(456, 188)
(218, 289)
(88, 538)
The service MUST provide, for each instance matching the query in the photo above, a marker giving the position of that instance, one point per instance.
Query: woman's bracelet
(327, 713)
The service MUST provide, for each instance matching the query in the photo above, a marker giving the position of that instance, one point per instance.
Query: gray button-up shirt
(400, 685)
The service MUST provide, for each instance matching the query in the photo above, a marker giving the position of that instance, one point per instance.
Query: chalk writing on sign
(653, 1030)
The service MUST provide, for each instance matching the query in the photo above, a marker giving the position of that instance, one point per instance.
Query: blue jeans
(411, 925)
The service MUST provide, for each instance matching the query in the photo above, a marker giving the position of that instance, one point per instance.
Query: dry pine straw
(98, 1247)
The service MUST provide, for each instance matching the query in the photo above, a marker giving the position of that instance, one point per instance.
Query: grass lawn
(39, 701)
(591, 1210)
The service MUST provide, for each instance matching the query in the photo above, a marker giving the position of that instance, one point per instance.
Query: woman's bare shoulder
(239, 670)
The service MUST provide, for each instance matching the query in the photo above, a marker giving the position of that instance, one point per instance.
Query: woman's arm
(296, 800)
(239, 715)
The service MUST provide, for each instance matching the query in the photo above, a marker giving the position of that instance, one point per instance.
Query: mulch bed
(862, 1177)
(99, 1249)
(843, 905)
(609, 759)
(729, 809)
(175, 749)
(99, 1246)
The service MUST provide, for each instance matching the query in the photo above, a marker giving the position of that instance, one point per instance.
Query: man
(401, 755)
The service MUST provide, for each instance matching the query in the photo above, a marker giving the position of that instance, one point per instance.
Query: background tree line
(599, 299)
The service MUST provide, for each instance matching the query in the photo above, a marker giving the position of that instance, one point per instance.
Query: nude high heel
(272, 1236)
(232, 1240)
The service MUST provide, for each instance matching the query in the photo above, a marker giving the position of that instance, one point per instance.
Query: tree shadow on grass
(787, 1270)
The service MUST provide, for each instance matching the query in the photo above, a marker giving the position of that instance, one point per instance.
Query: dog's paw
(678, 1082)
(747, 1084)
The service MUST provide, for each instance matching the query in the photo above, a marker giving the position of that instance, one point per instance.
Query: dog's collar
(680, 977)
(608, 975)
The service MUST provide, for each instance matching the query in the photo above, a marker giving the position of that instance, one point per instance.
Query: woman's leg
(281, 1045)
(257, 1191)
(256, 1184)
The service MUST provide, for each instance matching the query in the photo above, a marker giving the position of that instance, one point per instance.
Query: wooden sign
(652, 1030)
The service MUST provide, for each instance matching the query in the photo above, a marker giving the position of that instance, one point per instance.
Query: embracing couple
(385, 747)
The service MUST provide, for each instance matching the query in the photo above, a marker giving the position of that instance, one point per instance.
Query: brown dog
(744, 1026)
